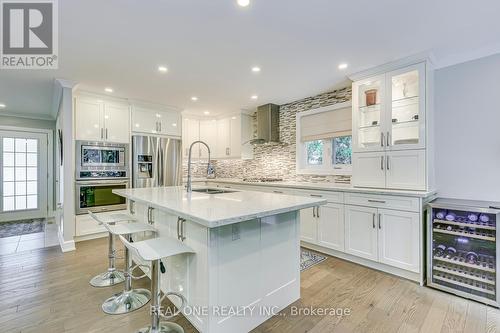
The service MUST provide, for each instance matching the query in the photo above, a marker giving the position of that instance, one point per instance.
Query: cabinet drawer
(335, 197)
(383, 201)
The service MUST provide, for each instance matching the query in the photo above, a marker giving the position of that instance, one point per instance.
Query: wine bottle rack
(462, 248)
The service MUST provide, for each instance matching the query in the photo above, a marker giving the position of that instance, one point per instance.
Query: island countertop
(215, 210)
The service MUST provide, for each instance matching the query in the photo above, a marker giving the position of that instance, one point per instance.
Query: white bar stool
(112, 276)
(129, 299)
(154, 250)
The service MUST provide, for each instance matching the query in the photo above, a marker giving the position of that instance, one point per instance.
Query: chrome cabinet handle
(106, 133)
(388, 139)
(180, 229)
(381, 162)
(387, 160)
(381, 139)
(280, 192)
(316, 195)
(377, 201)
(314, 211)
(102, 133)
(373, 221)
(317, 211)
(150, 215)
(380, 221)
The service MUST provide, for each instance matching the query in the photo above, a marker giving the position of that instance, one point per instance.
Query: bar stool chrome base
(165, 327)
(107, 279)
(126, 301)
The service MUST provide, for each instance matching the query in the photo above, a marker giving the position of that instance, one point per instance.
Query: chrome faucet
(210, 169)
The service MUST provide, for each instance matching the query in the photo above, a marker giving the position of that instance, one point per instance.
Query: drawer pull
(281, 192)
(316, 195)
(376, 201)
(373, 221)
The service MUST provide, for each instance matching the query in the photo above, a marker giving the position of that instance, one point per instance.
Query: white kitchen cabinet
(88, 119)
(223, 144)
(405, 169)
(368, 169)
(208, 134)
(361, 232)
(101, 120)
(190, 134)
(151, 120)
(308, 225)
(116, 123)
(235, 143)
(390, 113)
(398, 239)
(331, 226)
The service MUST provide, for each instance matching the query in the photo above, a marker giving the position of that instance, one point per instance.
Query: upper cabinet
(227, 137)
(151, 120)
(101, 120)
(389, 110)
(392, 143)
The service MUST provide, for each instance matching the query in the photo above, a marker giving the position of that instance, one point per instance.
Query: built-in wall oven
(100, 168)
(97, 196)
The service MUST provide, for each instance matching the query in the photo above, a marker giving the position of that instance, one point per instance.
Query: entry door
(23, 175)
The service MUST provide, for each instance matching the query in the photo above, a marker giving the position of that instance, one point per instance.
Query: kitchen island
(246, 265)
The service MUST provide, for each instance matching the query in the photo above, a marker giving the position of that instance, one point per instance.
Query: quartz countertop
(322, 186)
(215, 210)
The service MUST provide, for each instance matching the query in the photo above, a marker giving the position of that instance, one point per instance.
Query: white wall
(467, 115)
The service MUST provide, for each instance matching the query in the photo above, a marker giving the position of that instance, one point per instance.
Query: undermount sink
(212, 190)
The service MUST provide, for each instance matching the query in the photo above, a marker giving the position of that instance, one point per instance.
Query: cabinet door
(235, 134)
(406, 170)
(361, 231)
(190, 133)
(368, 104)
(399, 239)
(169, 123)
(88, 120)
(117, 123)
(223, 138)
(308, 225)
(145, 120)
(368, 169)
(208, 134)
(331, 226)
(406, 108)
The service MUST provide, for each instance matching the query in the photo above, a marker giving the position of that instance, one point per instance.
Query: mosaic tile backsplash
(276, 161)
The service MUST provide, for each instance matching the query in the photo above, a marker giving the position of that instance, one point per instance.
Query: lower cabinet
(308, 225)
(323, 225)
(387, 236)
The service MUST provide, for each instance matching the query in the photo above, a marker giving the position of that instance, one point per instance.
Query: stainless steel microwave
(101, 160)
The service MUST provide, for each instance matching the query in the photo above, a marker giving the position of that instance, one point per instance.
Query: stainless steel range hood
(268, 125)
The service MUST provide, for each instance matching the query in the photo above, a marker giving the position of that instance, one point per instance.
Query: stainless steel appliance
(462, 248)
(156, 161)
(268, 126)
(101, 160)
(97, 196)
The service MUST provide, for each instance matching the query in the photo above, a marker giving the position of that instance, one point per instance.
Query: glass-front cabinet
(389, 110)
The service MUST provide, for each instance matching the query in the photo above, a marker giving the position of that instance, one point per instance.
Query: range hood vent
(268, 125)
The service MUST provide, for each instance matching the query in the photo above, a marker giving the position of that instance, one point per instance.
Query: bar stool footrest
(166, 327)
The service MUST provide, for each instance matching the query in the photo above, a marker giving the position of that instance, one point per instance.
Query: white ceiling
(210, 46)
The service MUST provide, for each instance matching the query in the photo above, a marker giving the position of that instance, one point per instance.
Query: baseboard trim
(66, 246)
(91, 236)
(415, 277)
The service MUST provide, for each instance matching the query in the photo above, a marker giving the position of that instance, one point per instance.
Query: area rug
(23, 227)
(309, 259)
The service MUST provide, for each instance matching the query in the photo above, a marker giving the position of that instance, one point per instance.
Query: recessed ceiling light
(194, 98)
(342, 66)
(254, 97)
(243, 3)
(109, 90)
(2, 106)
(256, 69)
(206, 113)
(162, 69)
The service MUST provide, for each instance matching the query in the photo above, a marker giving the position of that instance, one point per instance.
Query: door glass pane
(369, 101)
(405, 108)
(20, 174)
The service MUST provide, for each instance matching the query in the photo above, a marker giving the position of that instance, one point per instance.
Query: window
(314, 151)
(324, 140)
(20, 174)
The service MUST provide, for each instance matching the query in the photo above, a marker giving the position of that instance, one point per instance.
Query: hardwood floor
(45, 290)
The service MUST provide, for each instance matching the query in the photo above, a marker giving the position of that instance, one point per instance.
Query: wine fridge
(462, 249)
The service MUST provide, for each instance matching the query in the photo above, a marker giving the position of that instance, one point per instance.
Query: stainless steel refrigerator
(156, 161)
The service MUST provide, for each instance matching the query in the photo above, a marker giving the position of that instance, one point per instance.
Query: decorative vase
(371, 97)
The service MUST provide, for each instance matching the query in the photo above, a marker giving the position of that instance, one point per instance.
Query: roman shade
(326, 125)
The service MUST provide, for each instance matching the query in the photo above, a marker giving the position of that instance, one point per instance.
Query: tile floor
(15, 244)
